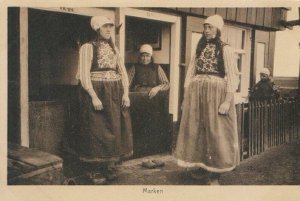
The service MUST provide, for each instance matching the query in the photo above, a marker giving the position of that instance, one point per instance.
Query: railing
(262, 125)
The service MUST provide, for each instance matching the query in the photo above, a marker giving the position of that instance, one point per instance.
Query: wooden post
(24, 100)
(250, 129)
(242, 130)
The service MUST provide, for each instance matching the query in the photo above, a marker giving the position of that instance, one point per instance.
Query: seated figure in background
(146, 76)
(149, 97)
(265, 89)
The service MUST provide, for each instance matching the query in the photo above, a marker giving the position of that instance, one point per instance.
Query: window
(239, 40)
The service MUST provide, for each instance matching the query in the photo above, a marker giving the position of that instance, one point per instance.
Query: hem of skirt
(96, 160)
(107, 159)
(185, 164)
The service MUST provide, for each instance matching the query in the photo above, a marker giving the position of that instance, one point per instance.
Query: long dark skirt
(105, 135)
(150, 121)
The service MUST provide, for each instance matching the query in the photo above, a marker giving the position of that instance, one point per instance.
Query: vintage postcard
(127, 100)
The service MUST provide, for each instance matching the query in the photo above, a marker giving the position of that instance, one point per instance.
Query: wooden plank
(266, 122)
(268, 17)
(260, 14)
(209, 11)
(222, 12)
(242, 130)
(241, 15)
(231, 14)
(197, 11)
(251, 16)
(51, 175)
(194, 24)
(272, 122)
(17, 168)
(48, 122)
(185, 10)
(32, 156)
(24, 99)
(283, 17)
(261, 109)
(255, 129)
(276, 124)
(276, 15)
(250, 129)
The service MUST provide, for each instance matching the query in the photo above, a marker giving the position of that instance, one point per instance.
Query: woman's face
(145, 58)
(105, 31)
(210, 31)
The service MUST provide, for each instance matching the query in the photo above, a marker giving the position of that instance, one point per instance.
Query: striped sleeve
(231, 70)
(131, 73)
(164, 82)
(84, 66)
(190, 72)
(122, 71)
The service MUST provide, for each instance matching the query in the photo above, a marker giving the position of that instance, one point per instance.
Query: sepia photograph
(153, 96)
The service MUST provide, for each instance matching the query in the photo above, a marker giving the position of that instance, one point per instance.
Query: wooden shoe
(149, 164)
(97, 178)
(158, 163)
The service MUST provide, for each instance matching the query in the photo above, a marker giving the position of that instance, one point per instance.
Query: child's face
(264, 76)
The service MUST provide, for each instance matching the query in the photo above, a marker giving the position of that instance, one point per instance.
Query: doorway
(152, 123)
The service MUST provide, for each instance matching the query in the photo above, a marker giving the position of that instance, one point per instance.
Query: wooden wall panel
(187, 10)
(231, 14)
(222, 12)
(268, 17)
(251, 16)
(260, 14)
(198, 11)
(276, 15)
(262, 17)
(209, 11)
(241, 15)
(48, 122)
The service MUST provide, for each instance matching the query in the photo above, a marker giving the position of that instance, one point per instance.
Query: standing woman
(105, 125)
(208, 139)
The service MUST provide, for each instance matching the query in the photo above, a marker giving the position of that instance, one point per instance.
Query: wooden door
(264, 52)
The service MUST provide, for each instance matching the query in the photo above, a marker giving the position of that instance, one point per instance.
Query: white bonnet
(215, 20)
(146, 48)
(99, 21)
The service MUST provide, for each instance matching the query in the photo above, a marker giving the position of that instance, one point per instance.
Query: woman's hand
(224, 108)
(125, 101)
(153, 92)
(97, 103)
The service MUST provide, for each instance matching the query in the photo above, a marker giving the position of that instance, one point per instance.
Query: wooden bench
(33, 167)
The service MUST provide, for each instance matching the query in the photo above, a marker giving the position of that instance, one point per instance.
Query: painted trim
(24, 99)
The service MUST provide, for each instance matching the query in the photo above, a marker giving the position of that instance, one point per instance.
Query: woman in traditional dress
(147, 76)
(208, 139)
(105, 125)
(149, 104)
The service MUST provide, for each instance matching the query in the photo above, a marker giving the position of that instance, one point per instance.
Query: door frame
(24, 70)
(175, 22)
